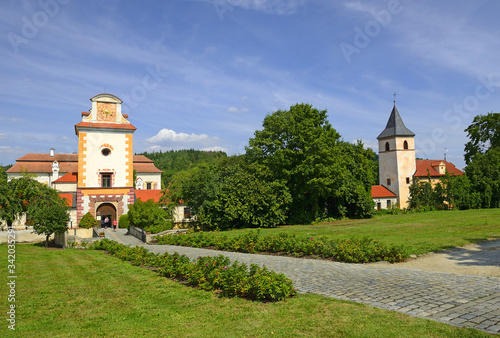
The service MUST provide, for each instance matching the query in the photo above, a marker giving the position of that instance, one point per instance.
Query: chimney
(52, 150)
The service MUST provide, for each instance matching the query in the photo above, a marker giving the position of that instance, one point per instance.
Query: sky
(203, 74)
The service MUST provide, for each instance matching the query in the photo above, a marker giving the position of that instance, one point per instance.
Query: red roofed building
(100, 178)
(383, 197)
(398, 167)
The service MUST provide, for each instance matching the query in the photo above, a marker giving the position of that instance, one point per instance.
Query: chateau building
(398, 166)
(100, 178)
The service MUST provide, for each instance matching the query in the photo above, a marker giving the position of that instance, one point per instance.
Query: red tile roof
(146, 195)
(425, 167)
(68, 197)
(68, 163)
(379, 191)
(68, 178)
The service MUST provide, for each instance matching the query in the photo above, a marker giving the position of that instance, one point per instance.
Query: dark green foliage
(209, 273)
(483, 172)
(150, 216)
(353, 250)
(324, 175)
(484, 133)
(88, 221)
(124, 222)
(174, 161)
(231, 193)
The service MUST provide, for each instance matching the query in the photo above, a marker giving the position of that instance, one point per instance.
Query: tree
(484, 133)
(150, 216)
(300, 147)
(231, 193)
(16, 195)
(484, 175)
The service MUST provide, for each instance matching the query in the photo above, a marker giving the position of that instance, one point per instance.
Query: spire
(395, 126)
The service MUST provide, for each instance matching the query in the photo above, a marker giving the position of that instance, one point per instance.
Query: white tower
(396, 148)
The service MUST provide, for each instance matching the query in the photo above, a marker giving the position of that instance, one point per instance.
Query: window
(388, 181)
(388, 203)
(148, 185)
(106, 151)
(405, 145)
(106, 180)
(407, 180)
(387, 147)
(187, 212)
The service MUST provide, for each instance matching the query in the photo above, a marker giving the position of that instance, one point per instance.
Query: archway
(106, 210)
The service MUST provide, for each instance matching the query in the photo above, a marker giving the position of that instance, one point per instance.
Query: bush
(353, 250)
(88, 221)
(150, 216)
(124, 222)
(209, 273)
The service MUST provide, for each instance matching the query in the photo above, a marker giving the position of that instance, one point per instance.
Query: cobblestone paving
(460, 300)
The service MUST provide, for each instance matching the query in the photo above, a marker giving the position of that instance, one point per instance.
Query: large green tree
(483, 172)
(483, 133)
(300, 147)
(231, 193)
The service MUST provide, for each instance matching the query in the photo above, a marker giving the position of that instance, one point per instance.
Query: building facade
(398, 166)
(100, 178)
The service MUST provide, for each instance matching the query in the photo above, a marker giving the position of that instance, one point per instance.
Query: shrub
(209, 273)
(124, 222)
(353, 250)
(88, 221)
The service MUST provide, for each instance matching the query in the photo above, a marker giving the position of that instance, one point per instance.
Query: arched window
(405, 145)
(387, 147)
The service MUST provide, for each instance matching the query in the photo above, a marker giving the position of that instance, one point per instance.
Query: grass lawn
(419, 232)
(88, 293)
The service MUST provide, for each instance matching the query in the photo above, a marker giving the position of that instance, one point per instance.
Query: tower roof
(395, 126)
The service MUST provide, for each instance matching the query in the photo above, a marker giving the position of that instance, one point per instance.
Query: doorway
(106, 211)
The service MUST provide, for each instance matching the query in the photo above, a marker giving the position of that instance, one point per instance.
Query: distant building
(398, 166)
(100, 178)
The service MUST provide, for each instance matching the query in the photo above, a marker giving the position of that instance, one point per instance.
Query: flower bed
(209, 273)
(353, 250)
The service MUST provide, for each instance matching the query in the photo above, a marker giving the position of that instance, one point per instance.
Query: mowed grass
(419, 232)
(78, 293)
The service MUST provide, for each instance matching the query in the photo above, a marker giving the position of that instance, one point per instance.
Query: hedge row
(353, 250)
(209, 273)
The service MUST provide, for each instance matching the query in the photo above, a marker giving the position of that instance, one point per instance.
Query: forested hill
(173, 161)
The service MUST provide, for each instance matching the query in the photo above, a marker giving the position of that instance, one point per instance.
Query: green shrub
(353, 250)
(209, 273)
(124, 222)
(88, 221)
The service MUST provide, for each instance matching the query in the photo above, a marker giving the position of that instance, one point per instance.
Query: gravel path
(452, 298)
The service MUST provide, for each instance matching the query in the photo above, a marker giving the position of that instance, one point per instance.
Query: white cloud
(233, 109)
(280, 7)
(216, 148)
(168, 135)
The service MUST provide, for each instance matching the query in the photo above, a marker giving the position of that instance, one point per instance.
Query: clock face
(106, 111)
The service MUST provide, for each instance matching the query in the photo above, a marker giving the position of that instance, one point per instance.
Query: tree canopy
(325, 176)
(484, 133)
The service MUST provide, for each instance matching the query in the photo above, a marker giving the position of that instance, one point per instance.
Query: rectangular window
(187, 212)
(407, 180)
(388, 181)
(388, 203)
(106, 180)
(148, 185)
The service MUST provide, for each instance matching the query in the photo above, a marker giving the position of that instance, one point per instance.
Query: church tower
(396, 148)
(105, 160)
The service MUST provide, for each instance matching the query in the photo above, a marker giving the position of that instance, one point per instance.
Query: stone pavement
(460, 300)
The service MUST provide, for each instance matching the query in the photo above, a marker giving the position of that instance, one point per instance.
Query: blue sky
(203, 74)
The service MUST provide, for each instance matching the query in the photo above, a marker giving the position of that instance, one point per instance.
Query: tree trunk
(46, 242)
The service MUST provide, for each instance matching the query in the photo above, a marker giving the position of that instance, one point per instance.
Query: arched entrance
(106, 210)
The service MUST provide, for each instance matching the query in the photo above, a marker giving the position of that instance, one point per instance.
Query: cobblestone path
(460, 300)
